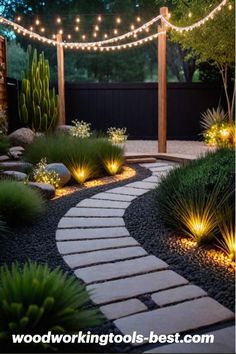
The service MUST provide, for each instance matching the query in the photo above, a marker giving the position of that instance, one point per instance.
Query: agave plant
(35, 300)
(213, 117)
(227, 239)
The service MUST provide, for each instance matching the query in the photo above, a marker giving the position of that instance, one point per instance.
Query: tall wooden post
(61, 80)
(162, 85)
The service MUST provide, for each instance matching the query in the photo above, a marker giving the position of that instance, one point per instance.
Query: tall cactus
(38, 107)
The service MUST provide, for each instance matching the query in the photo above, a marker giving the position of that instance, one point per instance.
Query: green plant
(81, 129)
(85, 158)
(35, 300)
(3, 122)
(112, 157)
(41, 175)
(227, 238)
(192, 193)
(19, 204)
(4, 144)
(38, 105)
(117, 135)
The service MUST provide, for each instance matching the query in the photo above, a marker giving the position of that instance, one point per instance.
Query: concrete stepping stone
(182, 293)
(179, 318)
(83, 234)
(154, 164)
(96, 212)
(153, 179)
(68, 247)
(110, 196)
(128, 191)
(224, 342)
(120, 269)
(130, 287)
(142, 185)
(122, 309)
(161, 169)
(95, 203)
(90, 222)
(90, 258)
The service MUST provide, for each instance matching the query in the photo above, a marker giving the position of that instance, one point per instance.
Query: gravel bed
(38, 243)
(144, 224)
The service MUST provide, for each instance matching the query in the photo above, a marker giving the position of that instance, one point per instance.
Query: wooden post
(61, 80)
(162, 85)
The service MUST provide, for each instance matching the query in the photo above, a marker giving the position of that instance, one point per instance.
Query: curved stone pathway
(94, 242)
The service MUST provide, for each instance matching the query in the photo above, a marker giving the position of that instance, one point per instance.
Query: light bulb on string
(60, 31)
(96, 28)
(105, 36)
(95, 34)
(115, 31)
(18, 18)
(99, 18)
(138, 19)
(69, 36)
(118, 20)
(77, 29)
(77, 20)
(58, 20)
(190, 15)
(37, 22)
(230, 7)
(42, 29)
(132, 27)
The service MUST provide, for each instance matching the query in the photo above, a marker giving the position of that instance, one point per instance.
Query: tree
(213, 42)
(17, 60)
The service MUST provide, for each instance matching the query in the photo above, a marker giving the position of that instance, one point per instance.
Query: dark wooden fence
(135, 106)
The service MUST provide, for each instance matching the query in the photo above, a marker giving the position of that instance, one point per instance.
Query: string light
(230, 7)
(132, 27)
(60, 31)
(18, 19)
(99, 18)
(77, 29)
(77, 20)
(115, 31)
(118, 20)
(96, 28)
(190, 14)
(58, 20)
(105, 35)
(103, 44)
(138, 19)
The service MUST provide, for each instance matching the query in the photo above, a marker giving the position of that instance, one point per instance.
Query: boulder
(16, 176)
(62, 171)
(46, 190)
(22, 137)
(64, 129)
(16, 166)
(4, 158)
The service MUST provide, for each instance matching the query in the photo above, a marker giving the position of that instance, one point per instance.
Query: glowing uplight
(228, 242)
(81, 173)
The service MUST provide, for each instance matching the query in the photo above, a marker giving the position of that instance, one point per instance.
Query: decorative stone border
(117, 271)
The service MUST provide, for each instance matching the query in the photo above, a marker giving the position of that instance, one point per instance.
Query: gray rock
(64, 129)
(62, 171)
(16, 149)
(4, 158)
(16, 166)
(15, 155)
(46, 190)
(22, 137)
(15, 175)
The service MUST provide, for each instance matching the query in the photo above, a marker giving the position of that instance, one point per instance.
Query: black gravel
(144, 224)
(37, 243)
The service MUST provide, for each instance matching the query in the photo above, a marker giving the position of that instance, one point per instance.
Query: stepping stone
(179, 318)
(120, 269)
(171, 296)
(130, 287)
(155, 164)
(128, 191)
(4, 158)
(224, 342)
(15, 175)
(152, 178)
(95, 212)
(95, 203)
(161, 169)
(117, 197)
(16, 166)
(90, 222)
(68, 247)
(86, 259)
(122, 309)
(142, 185)
(83, 234)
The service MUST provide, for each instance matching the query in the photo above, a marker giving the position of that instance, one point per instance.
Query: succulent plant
(38, 104)
(35, 300)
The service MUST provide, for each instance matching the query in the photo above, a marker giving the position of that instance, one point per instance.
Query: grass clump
(4, 144)
(190, 196)
(35, 300)
(85, 158)
(19, 204)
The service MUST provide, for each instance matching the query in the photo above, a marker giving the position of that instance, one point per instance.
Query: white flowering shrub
(81, 129)
(117, 135)
(41, 175)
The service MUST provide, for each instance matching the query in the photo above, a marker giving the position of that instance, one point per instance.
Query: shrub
(35, 300)
(226, 223)
(117, 135)
(4, 144)
(41, 175)
(81, 129)
(83, 157)
(197, 189)
(112, 157)
(19, 203)
(218, 131)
